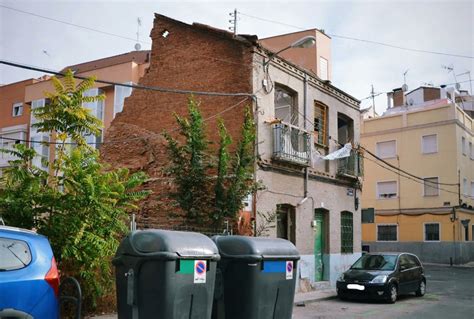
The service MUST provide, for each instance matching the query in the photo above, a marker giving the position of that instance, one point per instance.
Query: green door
(319, 246)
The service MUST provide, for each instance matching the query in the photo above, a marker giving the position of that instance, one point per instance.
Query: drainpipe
(305, 112)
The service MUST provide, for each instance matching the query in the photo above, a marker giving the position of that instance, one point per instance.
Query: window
(286, 108)
(368, 216)
(387, 232)
(120, 94)
(387, 149)
(472, 189)
(471, 151)
(432, 232)
(463, 145)
(96, 107)
(387, 189)
(14, 254)
(430, 186)
(17, 109)
(320, 123)
(347, 233)
(323, 64)
(472, 232)
(429, 144)
(286, 222)
(414, 261)
(464, 186)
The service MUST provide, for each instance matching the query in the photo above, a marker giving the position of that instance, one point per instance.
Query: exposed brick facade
(192, 57)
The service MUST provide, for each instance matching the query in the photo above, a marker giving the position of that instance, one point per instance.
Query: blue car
(29, 278)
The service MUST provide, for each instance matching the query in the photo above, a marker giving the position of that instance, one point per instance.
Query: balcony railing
(351, 166)
(291, 144)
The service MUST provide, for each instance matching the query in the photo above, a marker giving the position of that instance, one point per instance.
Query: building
(426, 133)
(296, 114)
(17, 99)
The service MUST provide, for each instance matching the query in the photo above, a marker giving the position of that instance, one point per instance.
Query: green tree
(213, 187)
(82, 208)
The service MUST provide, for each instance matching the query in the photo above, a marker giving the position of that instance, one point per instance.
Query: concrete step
(321, 285)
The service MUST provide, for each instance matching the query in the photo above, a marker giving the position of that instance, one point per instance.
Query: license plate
(355, 286)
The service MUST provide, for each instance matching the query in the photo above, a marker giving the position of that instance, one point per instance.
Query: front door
(319, 244)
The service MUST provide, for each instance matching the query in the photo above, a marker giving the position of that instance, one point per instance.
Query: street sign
(199, 271)
(289, 270)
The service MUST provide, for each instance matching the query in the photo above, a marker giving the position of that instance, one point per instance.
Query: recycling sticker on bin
(199, 271)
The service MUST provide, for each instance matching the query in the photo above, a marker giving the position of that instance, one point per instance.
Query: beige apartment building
(17, 99)
(428, 133)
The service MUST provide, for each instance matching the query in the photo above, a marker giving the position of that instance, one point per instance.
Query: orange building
(17, 99)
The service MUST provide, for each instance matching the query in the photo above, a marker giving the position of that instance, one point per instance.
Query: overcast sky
(442, 26)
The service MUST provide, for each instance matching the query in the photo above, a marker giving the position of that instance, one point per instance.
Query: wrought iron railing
(291, 144)
(351, 166)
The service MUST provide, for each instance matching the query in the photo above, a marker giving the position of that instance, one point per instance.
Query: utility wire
(73, 24)
(133, 86)
(363, 40)
(128, 139)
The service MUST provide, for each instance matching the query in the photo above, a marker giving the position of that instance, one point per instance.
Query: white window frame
(385, 198)
(471, 151)
(463, 145)
(17, 105)
(386, 241)
(434, 152)
(324, 70)
(464, 186)
(424, 232)
(389, 157)
(424, 195)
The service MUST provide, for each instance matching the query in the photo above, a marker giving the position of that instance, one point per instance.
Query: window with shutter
(429, 144)
(347, 232)
(432, 232)
(387, 149)
(430, 186)
(387, 190)
(320, 123)
(387, 233)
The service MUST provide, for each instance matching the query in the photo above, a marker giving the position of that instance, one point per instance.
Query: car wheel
(392, 293)
(421, 289)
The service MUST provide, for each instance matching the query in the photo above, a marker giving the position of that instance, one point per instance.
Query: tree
(82, 207)
(208, 187)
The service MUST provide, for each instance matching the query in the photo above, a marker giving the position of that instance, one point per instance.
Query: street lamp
(304, 42)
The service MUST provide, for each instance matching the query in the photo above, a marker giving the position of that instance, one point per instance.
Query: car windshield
(376, 262)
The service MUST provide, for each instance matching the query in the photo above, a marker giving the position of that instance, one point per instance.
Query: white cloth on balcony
(344, 151)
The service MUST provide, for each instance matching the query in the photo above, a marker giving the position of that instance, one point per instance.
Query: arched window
(347, 233)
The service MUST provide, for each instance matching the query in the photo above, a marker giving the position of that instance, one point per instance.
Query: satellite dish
(138, 46)
(404, 87)
(458, 86)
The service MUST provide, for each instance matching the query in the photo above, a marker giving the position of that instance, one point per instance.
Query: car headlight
(380, 279)
(341, 277)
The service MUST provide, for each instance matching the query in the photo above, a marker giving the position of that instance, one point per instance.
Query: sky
(441, 26)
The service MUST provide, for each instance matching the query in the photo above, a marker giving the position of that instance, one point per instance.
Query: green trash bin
(256, 278)
(165, 274)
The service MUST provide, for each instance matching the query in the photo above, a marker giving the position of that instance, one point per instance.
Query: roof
(313, 29)
(139, 57)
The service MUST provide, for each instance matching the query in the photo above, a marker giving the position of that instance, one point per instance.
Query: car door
(416, 273)
(405, 277)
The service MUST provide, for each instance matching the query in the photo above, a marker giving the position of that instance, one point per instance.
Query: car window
(406, 263)
(14, 254)
(413, 261)
(375, 262)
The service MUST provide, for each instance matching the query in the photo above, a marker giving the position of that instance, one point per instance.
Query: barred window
(347, 233)
(432, 232)
(320, 123)
(387, 233)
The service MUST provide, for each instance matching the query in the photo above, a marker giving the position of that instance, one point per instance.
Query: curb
(303, 303)
(449, 266)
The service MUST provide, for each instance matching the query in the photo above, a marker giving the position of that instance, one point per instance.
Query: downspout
(305, 112)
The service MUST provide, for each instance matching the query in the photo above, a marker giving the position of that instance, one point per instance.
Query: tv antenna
(405, 86)
(450, 68)
(470, 81)
(233, 27)
(139, 24)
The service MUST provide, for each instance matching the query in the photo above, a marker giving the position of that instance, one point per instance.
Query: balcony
(291, 144)
(352, 166)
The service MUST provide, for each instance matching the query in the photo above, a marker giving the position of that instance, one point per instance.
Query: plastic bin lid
(255, 248)
(168, 244)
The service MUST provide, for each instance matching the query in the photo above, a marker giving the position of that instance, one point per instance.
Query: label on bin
(199, 271)
(289, 270)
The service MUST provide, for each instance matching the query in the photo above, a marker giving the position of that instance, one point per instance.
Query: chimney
(389, 100)
(398, 97)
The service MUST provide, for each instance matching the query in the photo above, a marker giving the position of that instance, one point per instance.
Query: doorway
(321, 243)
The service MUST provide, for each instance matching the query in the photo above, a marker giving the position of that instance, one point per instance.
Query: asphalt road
(449, 295)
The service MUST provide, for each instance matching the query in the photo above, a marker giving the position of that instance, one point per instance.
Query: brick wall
(191, 57)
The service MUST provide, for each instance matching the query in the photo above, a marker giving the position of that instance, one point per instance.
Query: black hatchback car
(383, 276)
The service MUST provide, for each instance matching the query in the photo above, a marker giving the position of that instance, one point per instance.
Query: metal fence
(291, 144)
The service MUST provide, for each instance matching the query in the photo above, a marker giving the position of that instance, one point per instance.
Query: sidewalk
(301, 299)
